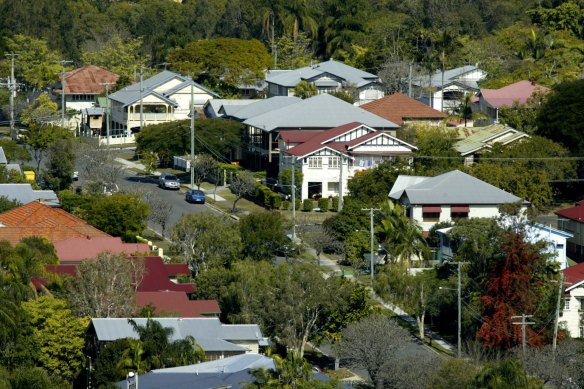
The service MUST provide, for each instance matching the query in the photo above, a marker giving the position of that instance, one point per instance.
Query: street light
(132, 380)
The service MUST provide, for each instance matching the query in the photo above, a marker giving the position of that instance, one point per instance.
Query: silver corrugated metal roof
(320, 111)
(226, 365)
(213, 106)
(259, 107)
(25, 194)
(402, 182)
(455, 187)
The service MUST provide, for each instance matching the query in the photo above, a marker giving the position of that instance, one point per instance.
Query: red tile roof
(319, 139)
(89, 80)
(175, 269)
(507, 95)
(37, 219)
(398, 108)
(177, 302)
(574, 213)
(79, 249)
(156, 278)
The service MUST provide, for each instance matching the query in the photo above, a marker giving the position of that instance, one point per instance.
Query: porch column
(269, 147)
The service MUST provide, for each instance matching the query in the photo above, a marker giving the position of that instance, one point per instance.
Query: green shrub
(335, 205)
(323, 204)
(307, 205)
(275, 201)
(285, 205)
(298, 204)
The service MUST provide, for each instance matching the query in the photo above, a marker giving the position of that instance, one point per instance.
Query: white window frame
(333, 162)
(315, 162)
(567, 304)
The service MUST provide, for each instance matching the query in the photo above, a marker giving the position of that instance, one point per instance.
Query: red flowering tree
(516, 284)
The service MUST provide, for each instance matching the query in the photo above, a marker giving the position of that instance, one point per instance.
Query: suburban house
(230, 372)
(38, 219)
(403, 110)
(218, 108)
(447, 197)
(482, 139)
(443, 90)
(571, 319)
(327, 76)
(554, 239)
(82, 87)
(328, 159)
(489, 101)
(218, 340)
(318, 113)
(24, 194)
(74, 251)
(572, 220)
(162, 98)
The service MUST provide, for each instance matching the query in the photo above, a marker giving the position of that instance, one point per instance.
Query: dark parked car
(195, 196)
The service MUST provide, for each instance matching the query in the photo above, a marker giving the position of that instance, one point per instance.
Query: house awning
(459, 208)
(431, 209)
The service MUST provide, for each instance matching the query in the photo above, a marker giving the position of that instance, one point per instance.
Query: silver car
(168, 181)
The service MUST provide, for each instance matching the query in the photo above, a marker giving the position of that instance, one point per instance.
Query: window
(315, 162)
(431, 213)
(333, 162)
(567, 304)
(560, 246)
(581, 332)
(333, 187)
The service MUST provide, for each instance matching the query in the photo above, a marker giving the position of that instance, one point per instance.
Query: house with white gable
(162, 98)
(447, 197)
(573, 307)
(329, 158)
(327, 76)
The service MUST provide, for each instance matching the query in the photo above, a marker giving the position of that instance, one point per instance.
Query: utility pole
(12, 90)
(63, 62)
(192, 136)
(107, 113)
(459, 288)
(340, 204)
(141, 97)
(410, 80)
(557, 321)
(372, 260)
(523, 324)
(293, 189)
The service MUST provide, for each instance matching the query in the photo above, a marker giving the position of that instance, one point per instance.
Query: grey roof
(154, 380)
(320, 111)
(260, 107)
(92, 111)
(484, 137)
(25, 194)
(13, 166)
(226, 365)
(347, 73)
(213, 106)
(454, 187)
(3, 159)
(402, 182)
(210, 333)
(131, 93)
(451, 76)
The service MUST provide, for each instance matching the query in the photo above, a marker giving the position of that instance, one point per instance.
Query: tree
(150, 162)
(42, 111)
(223, 60)
(206, 240)
(106, 286)
(122, 215)
(556, 119)
(242, 184)
(505, 374)
(320, 239)
(160, 212)
(13, 151)
(37, 65)
(97, 165)
(372, 344)
(523, 117)
(203, 166)
(7, 204)
(293, 53)
(58, 174)
(58, 334)
(355, 246)
(349, 220)
(305, 89)
(453, 373)
(285, 179)
(39, 139)
(436, 154)
(463, 111)
(262, 234)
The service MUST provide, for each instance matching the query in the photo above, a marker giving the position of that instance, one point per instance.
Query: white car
(168, 181)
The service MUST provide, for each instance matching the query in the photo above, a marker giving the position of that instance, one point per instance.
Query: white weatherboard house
(449, 196)
(165, 97)
(327, 76)
(328, 159)
(573, 308)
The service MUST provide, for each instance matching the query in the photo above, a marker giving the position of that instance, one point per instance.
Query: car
(168, 181)
(195, 196)
(75, 176)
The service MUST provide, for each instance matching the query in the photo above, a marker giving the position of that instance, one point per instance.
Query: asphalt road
(176, 198)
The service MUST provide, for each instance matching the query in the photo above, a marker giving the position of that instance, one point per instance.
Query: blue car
(195, 196)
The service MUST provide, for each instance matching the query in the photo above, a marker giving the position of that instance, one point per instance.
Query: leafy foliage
(262, 234)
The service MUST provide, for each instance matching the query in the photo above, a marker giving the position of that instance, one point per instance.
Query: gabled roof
(347, 73)
(486, 136)
(3, 160)
(36, 219)
(575, 213)
(451, 76)
(259, 107)
(574, 276)
(507, 95)
(80, 249)
(454, 187)
(131, 93)
(179, 303)
(399, 108)
(210, 333)
(226, 365)
(155, 278)
(318, 112)
(24, 193)
(89, 79)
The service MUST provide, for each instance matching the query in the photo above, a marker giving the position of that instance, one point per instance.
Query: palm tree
(155, 340)
(132, 359)
(464, 111)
